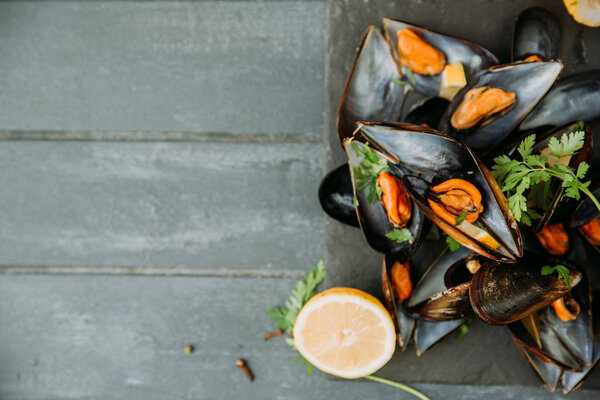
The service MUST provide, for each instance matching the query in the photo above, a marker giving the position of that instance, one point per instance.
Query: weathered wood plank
(89, 338)
(230, 67)
(215, 206)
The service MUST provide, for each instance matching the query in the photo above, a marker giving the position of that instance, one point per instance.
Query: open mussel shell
(405, 324)
(574, 98)
(548, 372)
(472, 56)
(372, 216)
(585, 212)
(537, 33)
(337, 196)
(501, 293)
(428, 112)
(569, 344)
(372, 91)
(428, 333)
(442, 294)
(425, 156)
(528, 81)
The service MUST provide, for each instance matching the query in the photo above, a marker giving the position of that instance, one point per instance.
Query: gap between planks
(144, 136)
(137, 271)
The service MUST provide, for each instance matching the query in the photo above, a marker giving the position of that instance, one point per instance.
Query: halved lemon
(586, 12)
(345, 332)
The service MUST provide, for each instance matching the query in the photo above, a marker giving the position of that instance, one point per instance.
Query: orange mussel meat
(554, 239)
(455, 197)
(533, 58)
(418, 55)
(482, 104)
(566, 311)
(395, 199)
(591, 230)
(401, 280)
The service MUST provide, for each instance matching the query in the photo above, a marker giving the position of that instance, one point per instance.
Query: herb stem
(406, 388)
(591, 196)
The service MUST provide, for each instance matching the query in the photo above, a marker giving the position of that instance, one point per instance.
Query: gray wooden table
(159, 166)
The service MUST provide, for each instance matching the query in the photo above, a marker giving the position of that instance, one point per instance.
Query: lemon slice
(345, 332)
(586, 12)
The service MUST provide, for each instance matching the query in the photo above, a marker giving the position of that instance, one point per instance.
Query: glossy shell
(575, 98)
(472, 56)
(537, 33)
(424, 154)
(428, 112)
(371, 92)
(373, 218)
(529, 82)
(337, 196)
(503, 293)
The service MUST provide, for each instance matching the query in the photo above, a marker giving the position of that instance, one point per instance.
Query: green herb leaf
(582, 169)
(461, 218)
(401, 82)
(285, 318)
(464, 328)
(453, 245)
(411, 76)
(563, 273)
(526, 146)
(400, 235)
(355, 201)
(368, 170)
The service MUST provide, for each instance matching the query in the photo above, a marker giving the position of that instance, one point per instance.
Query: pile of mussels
(425, 175)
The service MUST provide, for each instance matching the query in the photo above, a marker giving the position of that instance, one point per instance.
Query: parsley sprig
(563, 273)
(368, 170)
(285, 318)
(453, 245)
(533, 172)
(461, 218)
(400, 235)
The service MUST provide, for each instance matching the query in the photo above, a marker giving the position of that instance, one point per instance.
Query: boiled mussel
(375, 89)
(428, 160)
(586, 218)
(387, 217)
(536, 36)
(435, 64)
(336, 196)
(501, 293)
(574, 98)
(495, 101)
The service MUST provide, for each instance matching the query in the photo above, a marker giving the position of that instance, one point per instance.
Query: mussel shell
(373, 218)
(502, 293)
(428, 333)
(548, 372)
(537, 32)
(472, 56)
(405, 324)
(337, 196)
(568, 345)
(428, 112)
(439, 296)
(574, 98)
(585, 211)
(529, 81)
(370, 92)
(428, 154)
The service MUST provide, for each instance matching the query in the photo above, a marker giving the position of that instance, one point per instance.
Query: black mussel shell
(428, 333)
(372, 91)
(424, 155)
(472, 56)
(428, 112)
(549, 373)
(442, 293)
(373, 218)
(586, 211)
(529, 82)
(574, 98)
(337, 196)
(501, 293)
(568, 345)
(537, 33)
(405, 324)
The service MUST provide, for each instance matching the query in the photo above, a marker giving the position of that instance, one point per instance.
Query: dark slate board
(487, 355)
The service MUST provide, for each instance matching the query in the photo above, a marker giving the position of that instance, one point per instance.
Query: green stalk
(591, 196)
(408, 389)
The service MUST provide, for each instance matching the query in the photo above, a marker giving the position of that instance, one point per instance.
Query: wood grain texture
(90, 338)
(214, 206)
(234, 67)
